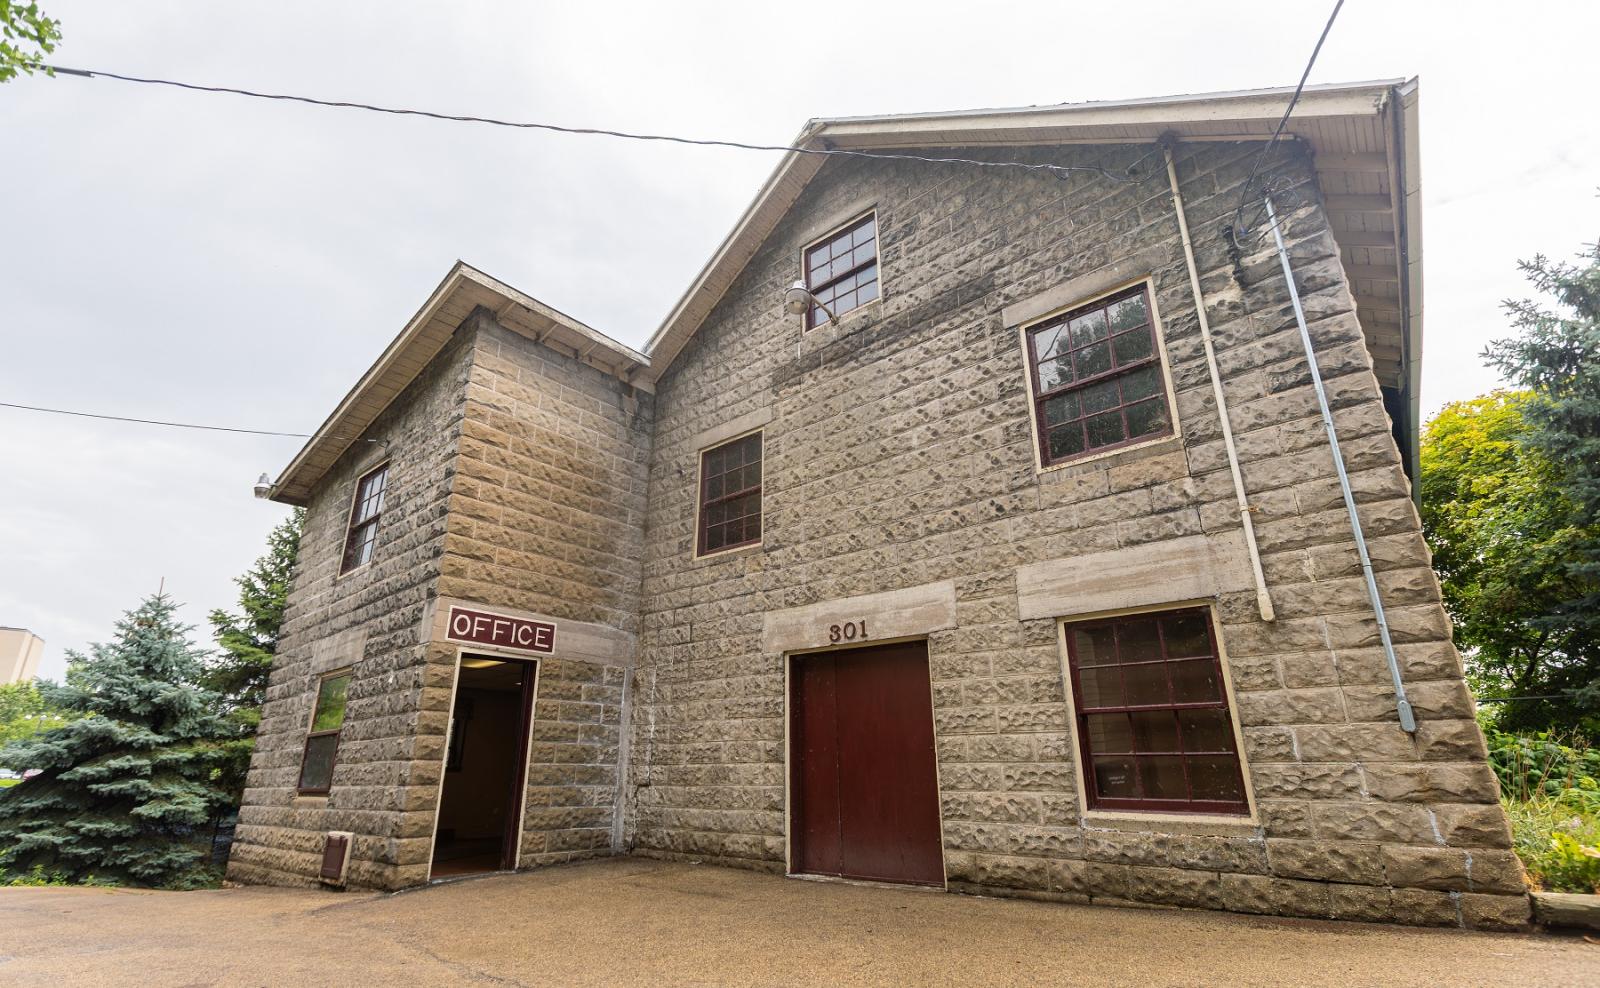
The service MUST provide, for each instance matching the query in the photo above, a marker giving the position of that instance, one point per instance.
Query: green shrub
(1542, 765)
(1558, 839)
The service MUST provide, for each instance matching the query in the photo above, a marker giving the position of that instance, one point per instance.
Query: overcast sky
(215, 259)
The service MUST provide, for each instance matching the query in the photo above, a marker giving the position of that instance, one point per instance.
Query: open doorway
(480, 806)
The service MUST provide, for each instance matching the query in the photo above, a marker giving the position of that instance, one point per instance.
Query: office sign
(475, 627)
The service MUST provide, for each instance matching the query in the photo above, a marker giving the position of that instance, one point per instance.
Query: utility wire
(1283, 122)
(1061, 170)
(173, 425)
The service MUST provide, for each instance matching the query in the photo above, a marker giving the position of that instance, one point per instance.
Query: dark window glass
(362, 536)
(842, 271)
(730, 495)
(322, 743)
(1152, 716)
(1097, 379)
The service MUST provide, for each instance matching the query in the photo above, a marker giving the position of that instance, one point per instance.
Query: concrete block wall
(899, 453)
(517, 481)
(369, 620)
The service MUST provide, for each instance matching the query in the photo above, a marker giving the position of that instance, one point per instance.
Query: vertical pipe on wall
(1263, 598)
(1408, 719)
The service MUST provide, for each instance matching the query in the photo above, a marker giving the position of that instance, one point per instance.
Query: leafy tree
(120, 791)
(23, 712)
(26, 36)
(1508, 550)
(249, 640)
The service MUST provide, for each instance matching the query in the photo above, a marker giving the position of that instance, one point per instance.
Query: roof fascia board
(948, 129)
(764, 196)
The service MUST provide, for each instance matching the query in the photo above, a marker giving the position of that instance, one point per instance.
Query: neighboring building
(20, 652)
(951, 590)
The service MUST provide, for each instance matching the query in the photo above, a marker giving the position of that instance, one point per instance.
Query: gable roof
(1363, 137)
(463, 289)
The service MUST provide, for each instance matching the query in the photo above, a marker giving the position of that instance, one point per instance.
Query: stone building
(945, 566)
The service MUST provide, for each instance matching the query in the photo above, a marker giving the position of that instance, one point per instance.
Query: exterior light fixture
(797, 298)
(264, 487)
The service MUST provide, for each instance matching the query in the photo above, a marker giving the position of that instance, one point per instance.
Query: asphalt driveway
(631, 921)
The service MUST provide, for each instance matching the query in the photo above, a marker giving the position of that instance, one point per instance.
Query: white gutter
(1263, 598)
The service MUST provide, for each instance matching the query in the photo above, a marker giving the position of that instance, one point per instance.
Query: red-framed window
(842, 270)
(322, 741)
(362, 536)
(1097, 379)
(730, 495)
(1153, 725)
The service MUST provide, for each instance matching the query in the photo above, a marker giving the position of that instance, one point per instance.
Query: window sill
(309, 799)
(719, 554)
(1174, 440)
(828, 332)
(1194, 824)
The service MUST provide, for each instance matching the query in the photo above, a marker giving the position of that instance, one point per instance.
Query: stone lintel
(1190, 568)
(908, 613)
(580, 641)
(1084, 287)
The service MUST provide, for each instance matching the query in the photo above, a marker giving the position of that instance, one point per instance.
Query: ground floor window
(322, 743)
(1153, 724)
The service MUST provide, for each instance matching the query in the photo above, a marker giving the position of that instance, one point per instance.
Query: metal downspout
(1408, 719)
(1263, 598)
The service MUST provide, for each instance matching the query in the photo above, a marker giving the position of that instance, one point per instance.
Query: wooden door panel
(814, 767)
(864, 777)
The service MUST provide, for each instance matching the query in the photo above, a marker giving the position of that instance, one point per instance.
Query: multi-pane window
(1097, 378)
(730, 494)
(364, 514)
(1152, 714)
(842, 271)
(322, 743)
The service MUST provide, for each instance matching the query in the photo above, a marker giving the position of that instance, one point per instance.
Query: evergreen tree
(121, 791)
(1556, 354)
(249, 641)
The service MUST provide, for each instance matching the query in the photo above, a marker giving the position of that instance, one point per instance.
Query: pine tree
(1556, 354)
(249, 641)
(122, 793)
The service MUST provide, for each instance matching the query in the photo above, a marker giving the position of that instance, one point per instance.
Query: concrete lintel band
(1194, 567)
(582, 641)
(906, 613)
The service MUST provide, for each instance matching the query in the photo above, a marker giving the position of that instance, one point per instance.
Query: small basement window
(730, 495)
(362, 535)
(1153, 724)
(842, 270)
(1097, 378)
(322, 742)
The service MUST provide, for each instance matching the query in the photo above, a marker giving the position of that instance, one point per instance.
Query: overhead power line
(1255, 169)
(170, 425)
(1061, 170)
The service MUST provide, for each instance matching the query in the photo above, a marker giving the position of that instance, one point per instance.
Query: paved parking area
(631, 921)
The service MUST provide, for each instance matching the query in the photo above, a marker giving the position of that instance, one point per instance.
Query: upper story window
(364, 514)
(322, 741)
(1097, 378)
(730, 495)
(842, 270)
(1153, 723)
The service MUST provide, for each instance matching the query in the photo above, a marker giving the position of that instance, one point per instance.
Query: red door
(864, 783)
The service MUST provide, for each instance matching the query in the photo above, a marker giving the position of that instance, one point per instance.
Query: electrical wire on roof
(173, 425)
(1255, 169)
(1061, 170)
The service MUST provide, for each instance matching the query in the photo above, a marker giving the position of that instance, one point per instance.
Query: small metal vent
(335, 857)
